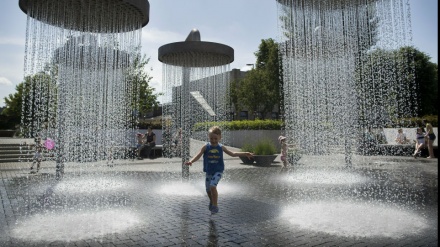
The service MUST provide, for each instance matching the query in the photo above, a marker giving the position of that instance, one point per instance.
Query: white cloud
(5, 81)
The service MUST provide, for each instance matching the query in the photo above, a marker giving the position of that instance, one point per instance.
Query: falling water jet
(194, 67)
(334, 87)
(79, 55)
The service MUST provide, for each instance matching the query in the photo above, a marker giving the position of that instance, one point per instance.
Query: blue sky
(241, 24)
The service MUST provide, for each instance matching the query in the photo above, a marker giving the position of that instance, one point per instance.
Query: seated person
(420, 143)
(149, 142)
(401, 137)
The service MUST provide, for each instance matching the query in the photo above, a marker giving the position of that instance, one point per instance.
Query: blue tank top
(213, 159)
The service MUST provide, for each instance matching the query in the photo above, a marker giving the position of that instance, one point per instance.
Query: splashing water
(342, 71)
(355, 219)
(79, 86)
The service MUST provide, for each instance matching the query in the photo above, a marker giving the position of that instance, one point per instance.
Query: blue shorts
(212, 180)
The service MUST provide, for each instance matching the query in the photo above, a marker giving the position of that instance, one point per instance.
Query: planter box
(246, 160)
(264, 160)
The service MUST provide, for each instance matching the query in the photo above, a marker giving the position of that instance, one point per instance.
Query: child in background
(420, 142)
(430, 135)
(213, 164)
(38, 156)
(140, 142)
(401, 137)
(282, 140)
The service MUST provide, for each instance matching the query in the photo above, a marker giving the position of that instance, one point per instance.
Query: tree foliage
(260, 90)
(426, 77)
(37, 86)
(13, 102)
(144, 98)
(409, 79)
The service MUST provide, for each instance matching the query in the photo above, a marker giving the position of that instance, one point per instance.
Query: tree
(426, 78)
(260, 90)
(13, 102)
(408, 78)
(144, 99)
(268, 61)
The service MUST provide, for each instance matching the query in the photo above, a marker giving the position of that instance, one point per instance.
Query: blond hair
(215, 130)
(429, 128)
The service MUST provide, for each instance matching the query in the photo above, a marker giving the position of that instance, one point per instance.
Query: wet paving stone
(147, 203)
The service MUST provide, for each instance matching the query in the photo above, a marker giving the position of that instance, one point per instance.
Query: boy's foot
(214, 209)
(210, 206)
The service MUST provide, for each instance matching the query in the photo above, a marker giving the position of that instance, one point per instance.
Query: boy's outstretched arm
(236, 154)
(197, 157)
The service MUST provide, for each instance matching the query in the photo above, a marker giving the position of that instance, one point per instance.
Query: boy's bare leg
(214, 195)
(210, 196)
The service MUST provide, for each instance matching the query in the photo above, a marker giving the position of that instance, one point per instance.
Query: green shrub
(265, 147)
(247, 148)
(268, 124)
(154, 124)
(414, 122)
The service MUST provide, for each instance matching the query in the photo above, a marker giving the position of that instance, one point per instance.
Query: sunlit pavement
(379, 201)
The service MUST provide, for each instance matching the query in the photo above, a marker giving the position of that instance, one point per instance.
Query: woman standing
(431, 137)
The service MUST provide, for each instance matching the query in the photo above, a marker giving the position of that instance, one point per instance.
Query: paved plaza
(378, 201)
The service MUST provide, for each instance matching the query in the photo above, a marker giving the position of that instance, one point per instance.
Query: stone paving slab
(385, 201)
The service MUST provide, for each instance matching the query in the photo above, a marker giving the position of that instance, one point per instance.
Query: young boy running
(213, 164)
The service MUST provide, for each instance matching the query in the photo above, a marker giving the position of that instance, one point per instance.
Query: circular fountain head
(195, 53)
(90, 15)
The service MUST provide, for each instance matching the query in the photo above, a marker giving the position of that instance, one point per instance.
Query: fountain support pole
(192, 53)
(186, 128)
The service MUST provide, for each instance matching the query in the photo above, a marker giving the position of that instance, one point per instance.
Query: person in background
(282, 140)
(150, 141)
(401, 137)
(139, 145)
(431, 137)
(38, 156)
(420, 142)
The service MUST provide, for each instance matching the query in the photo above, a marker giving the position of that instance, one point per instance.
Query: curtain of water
(341, 75)
(79, 90)
(182, 110)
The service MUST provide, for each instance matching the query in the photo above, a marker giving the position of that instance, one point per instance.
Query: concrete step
(24, 155)
(14, 160)
(15, 151)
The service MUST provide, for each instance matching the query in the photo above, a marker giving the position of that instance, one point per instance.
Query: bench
(157, 148)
